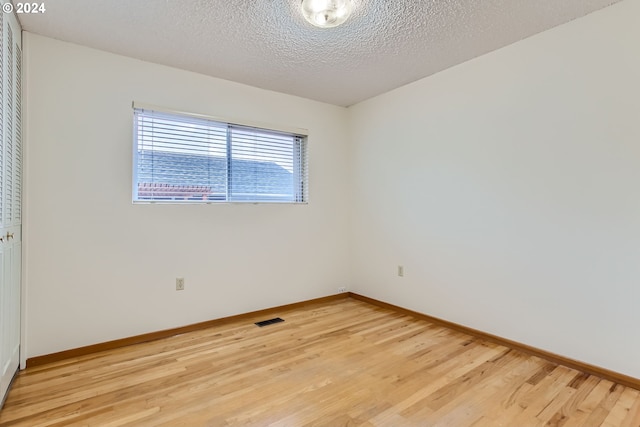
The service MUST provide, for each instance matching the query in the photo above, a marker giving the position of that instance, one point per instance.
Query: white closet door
(10, 197)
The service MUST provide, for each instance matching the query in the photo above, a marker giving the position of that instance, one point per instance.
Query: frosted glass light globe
(326, 13)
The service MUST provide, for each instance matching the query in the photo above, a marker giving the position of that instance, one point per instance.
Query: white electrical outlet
(342, 290)
(401, 271)
(179, 283)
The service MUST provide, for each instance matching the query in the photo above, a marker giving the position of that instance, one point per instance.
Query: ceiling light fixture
(326, 13)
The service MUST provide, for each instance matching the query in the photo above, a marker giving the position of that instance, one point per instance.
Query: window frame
(300, 173)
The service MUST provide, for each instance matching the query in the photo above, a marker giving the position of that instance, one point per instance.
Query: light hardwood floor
(342, 363)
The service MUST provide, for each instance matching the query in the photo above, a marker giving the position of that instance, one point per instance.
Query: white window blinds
(181, 158)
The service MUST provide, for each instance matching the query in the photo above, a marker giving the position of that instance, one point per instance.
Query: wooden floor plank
(338, 363)
(619, 412)
(633, 416)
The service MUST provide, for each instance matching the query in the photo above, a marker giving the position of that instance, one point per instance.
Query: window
(184, 158)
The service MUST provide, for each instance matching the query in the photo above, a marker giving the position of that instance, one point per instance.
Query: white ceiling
(268, 44)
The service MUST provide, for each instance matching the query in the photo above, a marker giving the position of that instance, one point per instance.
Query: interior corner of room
(500, 194)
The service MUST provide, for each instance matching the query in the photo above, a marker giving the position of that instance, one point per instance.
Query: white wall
(509, 188)
(100, 268)
(506, 186)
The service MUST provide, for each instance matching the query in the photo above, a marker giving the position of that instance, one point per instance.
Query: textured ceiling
(267, 43)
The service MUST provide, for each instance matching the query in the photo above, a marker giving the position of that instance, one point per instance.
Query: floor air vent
(269, 322)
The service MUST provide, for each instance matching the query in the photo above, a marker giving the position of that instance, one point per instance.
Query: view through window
(181, 158)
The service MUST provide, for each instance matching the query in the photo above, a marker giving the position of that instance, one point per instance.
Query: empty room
(320, 213)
